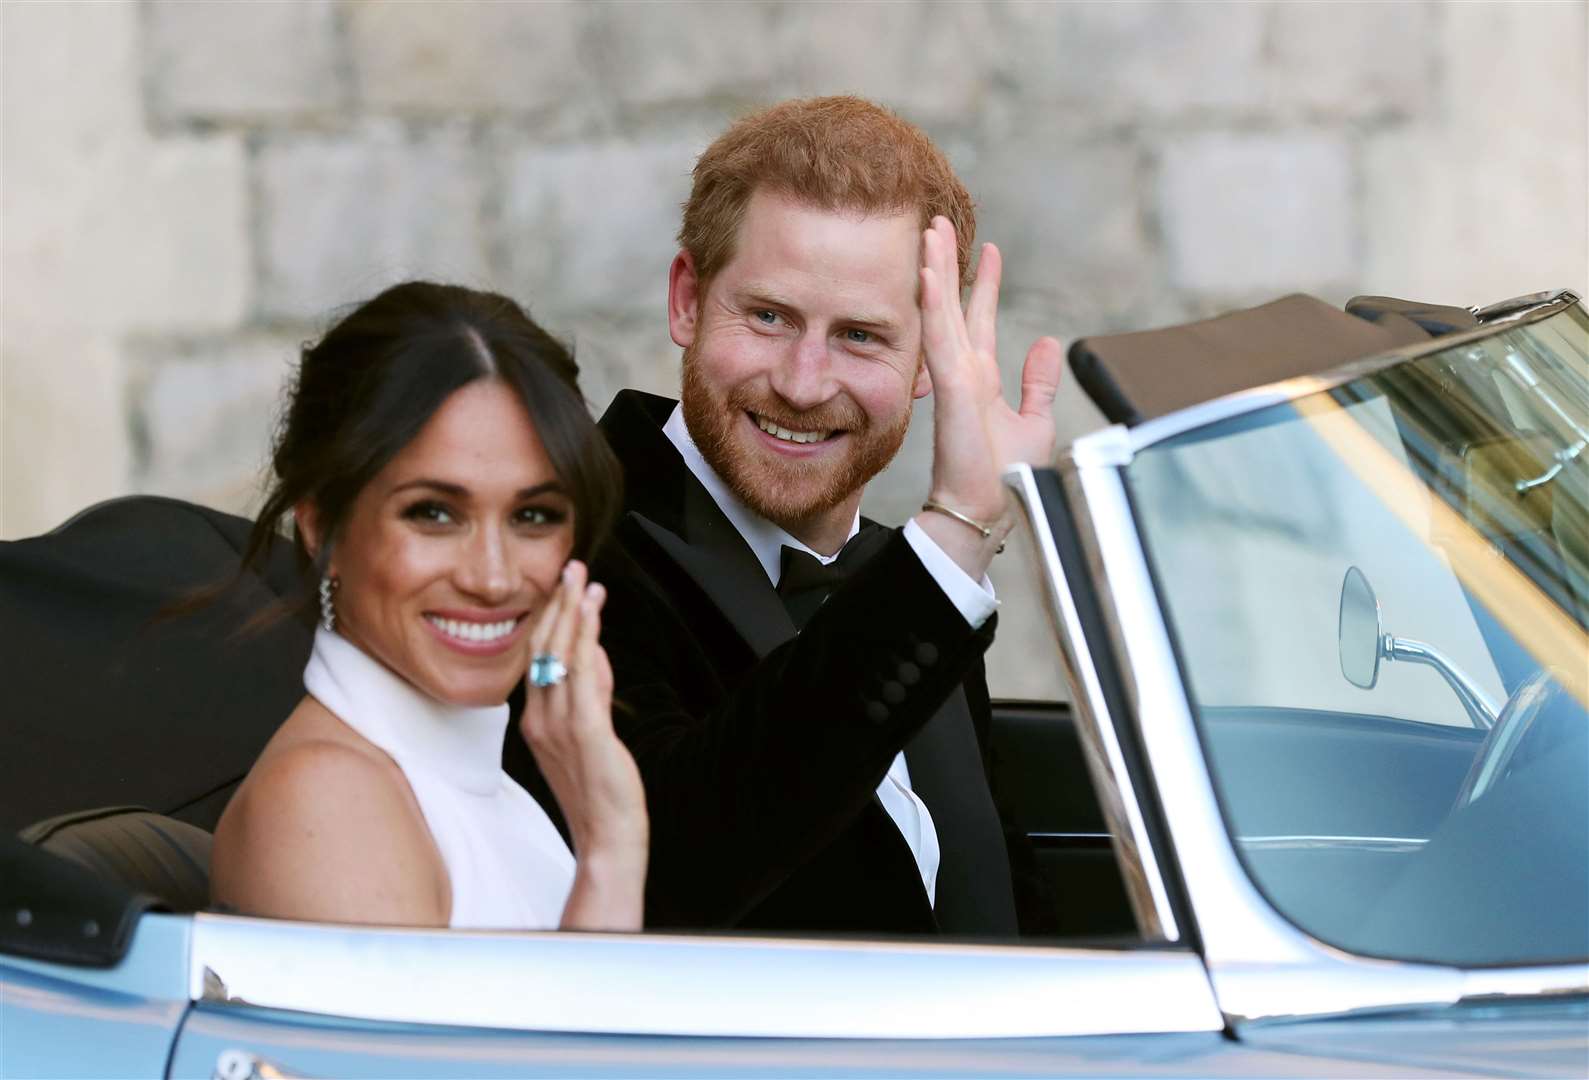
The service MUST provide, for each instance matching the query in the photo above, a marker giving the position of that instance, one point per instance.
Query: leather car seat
(160, 857)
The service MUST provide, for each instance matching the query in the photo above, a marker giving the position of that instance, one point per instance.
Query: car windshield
(1379, 592)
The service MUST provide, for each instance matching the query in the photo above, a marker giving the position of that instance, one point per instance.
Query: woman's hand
(569, 730)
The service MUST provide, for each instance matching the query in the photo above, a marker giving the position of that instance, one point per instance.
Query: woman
(446, 482)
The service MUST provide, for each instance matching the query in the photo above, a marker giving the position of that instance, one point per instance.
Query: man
(815, 296)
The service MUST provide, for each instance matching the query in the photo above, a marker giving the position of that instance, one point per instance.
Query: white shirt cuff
(972, 599)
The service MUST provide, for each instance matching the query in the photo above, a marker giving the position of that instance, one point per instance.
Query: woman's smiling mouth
(473, 635)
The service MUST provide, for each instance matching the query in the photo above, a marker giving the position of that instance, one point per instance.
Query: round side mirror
(1359, 631)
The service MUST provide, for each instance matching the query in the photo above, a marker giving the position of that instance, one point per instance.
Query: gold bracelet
(985, 530)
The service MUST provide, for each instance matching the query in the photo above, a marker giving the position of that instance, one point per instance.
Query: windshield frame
(1263, 965)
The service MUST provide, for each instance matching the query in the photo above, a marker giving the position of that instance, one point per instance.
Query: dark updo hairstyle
(365, 389)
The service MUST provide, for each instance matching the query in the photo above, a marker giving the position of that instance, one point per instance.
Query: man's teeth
(789, 436)
(473, 631)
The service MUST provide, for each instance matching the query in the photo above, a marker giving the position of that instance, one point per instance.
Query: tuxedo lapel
(733, 581)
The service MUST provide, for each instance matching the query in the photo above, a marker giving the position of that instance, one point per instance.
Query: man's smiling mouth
(787, 435)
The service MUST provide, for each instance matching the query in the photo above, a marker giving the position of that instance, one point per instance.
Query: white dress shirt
(972, 599)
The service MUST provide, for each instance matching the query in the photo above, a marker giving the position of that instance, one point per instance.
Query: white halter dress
(509, 866)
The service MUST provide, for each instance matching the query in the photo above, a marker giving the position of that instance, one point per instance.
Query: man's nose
(487, 571)
(804, 378)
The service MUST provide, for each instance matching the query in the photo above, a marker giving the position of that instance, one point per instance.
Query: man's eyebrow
(458, 491)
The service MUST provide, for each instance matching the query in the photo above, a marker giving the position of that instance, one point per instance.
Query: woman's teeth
(789, 436)
(473, 631)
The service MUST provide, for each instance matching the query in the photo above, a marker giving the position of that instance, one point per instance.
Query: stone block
(1353, 59)
(343, 217)
(263, 60)
(619, 351)
(592, 225)
(930, 62)
(105, 228)
(484, 57)
(1447, 225)
(1070, 222)
(1488, 201)
(63, 442)
(1134, 61)
(202, 416)
(667, 52)
(1258, 214)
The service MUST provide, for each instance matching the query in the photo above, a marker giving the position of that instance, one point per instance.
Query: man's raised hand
(976, 434)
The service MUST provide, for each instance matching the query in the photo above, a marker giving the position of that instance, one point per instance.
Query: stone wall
(190, 188)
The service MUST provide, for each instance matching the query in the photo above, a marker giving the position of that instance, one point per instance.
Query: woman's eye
(429, 513)
(541, 515)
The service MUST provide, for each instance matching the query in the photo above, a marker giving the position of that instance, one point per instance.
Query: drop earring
(328, 612)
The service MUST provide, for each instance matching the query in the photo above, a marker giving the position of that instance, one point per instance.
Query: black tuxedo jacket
(761, 750)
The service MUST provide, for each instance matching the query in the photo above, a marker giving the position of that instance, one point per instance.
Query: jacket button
(909, 673)
(926, 654)
(876, 712)
(893, 693)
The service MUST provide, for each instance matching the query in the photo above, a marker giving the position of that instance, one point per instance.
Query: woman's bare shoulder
(326, 828)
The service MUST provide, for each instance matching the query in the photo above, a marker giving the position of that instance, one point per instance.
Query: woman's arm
(569, 730)
(320, 832)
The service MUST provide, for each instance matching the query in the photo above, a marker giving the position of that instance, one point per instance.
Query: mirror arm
(1478, 707)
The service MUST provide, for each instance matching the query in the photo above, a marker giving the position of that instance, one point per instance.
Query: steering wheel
(1512, 723)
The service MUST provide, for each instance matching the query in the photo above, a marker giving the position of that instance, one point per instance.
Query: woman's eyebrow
(458, 491)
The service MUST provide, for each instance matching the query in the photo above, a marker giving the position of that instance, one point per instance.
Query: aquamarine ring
(546, 670)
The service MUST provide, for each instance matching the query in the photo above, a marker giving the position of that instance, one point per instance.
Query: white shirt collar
(766, 539)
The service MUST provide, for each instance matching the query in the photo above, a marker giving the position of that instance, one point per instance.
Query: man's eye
(858, 337)
(429, 513)
(766, 318)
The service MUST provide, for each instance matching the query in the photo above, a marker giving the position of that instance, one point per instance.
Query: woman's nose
(487, 572)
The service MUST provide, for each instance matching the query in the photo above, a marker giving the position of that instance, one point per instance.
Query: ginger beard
(786, 492)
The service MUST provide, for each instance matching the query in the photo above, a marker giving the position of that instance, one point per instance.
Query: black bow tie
(806, 581)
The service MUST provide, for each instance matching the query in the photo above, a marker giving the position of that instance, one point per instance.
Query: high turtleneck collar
(459, 743)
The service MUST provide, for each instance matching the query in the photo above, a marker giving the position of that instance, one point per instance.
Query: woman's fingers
(564, 629)
(591, 687)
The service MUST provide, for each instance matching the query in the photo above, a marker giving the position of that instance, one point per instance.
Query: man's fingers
(1040, 377)
(983, 309)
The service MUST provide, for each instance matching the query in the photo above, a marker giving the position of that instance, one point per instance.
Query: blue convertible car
(1321, 807)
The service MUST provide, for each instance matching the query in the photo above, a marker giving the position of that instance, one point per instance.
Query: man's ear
(307, 519)
(923, 385)
(684, 299)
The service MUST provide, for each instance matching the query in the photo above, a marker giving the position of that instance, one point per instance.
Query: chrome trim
(1475, 702)
(1305, 842)
(1190, 418)
(1519, 306)
(1139, 866)
(1069, 836)
(1555, 980)
(1261, 965)
(703, 986)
